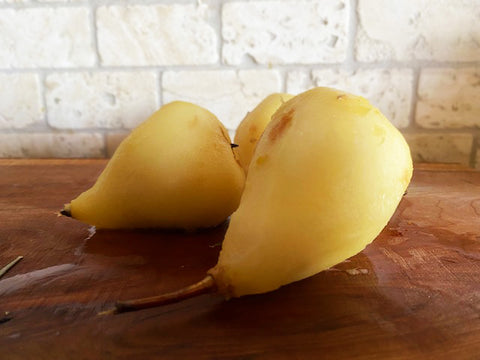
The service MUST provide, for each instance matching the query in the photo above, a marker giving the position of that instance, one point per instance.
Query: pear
(326, 177)
(252, 126)
(175, 170)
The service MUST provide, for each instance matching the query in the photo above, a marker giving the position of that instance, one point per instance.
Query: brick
(113, 140)
(389, 90)
(228, 94)
(45, 37)
(281, 32)
(418, 29)
(101, 99)
(20, 101)
(441, 148)
(156, 35)
(449, 98)
(51, 145)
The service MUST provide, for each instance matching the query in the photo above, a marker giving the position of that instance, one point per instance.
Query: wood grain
(412, 294)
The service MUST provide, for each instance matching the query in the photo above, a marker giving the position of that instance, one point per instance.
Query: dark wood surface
(414, 293)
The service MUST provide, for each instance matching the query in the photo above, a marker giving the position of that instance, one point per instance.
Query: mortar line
(473, 152)
(220, 32)
(43, 95)
(284, 84)
(420, 131)
(144, 2)
(350, 61)
(94, 32)
(33, 5)
(64, 131)
(160, 88)
(41, 5)
(412, 124)
(105, 144)
(439, 131)
(45, 74)
(215, 67)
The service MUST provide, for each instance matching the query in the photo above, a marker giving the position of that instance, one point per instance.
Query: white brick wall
(226, 93)
(280, 32)
(156, 35)
(100, 99)
(52, 145)
(45, 37)
(449, 98)
(449, 148)
(20, 101)
(76, 75)
(439, 30)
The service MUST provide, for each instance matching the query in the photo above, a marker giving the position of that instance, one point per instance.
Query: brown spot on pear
(252, 126)
(281, 125)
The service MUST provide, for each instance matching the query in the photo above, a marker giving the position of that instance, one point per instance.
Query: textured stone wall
(77, 75)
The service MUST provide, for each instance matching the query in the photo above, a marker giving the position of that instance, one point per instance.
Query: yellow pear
(253, 125)
(175, 170)
(326, 177)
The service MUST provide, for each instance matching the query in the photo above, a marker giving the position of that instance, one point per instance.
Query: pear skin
(252, 126)
(175, 170)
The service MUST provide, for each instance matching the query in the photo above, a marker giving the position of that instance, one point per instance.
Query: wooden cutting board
(414, 293)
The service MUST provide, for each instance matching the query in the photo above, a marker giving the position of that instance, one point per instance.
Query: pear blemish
(281, 125)
(261, 159)
(253, 125)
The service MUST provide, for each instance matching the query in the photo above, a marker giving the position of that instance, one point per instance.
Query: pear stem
(204, 286)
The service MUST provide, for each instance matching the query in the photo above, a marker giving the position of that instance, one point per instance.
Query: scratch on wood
(418, 255)
(397, 259)
(474, 207)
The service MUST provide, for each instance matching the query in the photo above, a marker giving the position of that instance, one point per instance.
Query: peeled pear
(252, 126)
(326, 177)
(175, 170)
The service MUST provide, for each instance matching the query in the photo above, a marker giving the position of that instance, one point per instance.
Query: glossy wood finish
(412, 294)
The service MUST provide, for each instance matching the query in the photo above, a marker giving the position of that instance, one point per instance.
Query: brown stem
(207, 285)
